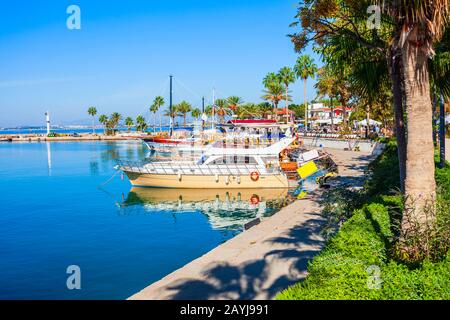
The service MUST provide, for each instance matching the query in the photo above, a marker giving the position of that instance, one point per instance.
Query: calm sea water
(55, 213)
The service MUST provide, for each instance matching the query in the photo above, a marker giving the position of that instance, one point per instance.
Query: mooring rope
(109, 180)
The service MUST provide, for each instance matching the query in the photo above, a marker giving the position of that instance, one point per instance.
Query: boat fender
(179, 176)
(238, 179)
(254, 176)
(217, 178)
(255, 200)
(227, 180)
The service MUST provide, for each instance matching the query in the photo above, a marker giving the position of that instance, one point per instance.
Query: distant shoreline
(79, 137)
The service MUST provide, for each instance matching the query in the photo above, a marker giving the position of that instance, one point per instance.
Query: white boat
(215, 168)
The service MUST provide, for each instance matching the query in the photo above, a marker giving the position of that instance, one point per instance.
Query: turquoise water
(54, 215)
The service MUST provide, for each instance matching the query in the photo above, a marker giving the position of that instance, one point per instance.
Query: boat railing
(191, 168)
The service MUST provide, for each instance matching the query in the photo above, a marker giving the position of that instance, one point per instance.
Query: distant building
(318, 114)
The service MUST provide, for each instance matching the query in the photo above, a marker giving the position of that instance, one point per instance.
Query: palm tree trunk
(400, 128)
(420, 185)
(305, 99)
(93, 124)
(184, 116)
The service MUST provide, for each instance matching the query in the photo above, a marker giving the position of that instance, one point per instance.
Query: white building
(318, 114)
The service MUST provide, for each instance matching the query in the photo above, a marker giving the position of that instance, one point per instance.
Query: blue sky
(121, 58)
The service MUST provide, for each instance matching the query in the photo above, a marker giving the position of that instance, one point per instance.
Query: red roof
(283, 111)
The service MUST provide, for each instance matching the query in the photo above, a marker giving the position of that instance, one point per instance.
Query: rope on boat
(110, 179)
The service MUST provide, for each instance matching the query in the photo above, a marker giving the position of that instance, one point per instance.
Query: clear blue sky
(122, 56)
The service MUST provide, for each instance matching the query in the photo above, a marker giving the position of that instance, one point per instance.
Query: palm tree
(129, 123)
(157, 104)
(92, 111)
(222, 109)
(270, 78)
(248, 111)
(306, 68)
(234, 102)
(418, 26)
(172, 115)
(274, 93)
(184, 108)
(286, 76)
(115, 119)
(141, 124)
(265, 109)
(196, 113)
(103, 119)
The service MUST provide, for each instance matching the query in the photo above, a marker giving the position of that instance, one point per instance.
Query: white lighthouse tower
(47, 117)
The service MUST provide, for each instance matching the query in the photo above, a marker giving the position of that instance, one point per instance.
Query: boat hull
(207, 181)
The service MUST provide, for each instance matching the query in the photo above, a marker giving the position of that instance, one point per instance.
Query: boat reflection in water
(226, 209)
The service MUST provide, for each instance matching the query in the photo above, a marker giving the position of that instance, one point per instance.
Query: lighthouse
(47, 117)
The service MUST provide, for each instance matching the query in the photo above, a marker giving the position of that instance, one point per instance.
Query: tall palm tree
(157, 104)
(184, 108)
(92, 111)
(103, 119)
(286, 76)
(274, 93)
(418, 25)
(270, 78)
(305, 68)
(129, 123)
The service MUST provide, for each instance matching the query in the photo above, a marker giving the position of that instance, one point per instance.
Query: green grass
(344, 269)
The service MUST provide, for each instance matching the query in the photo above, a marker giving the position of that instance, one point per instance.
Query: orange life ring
(254, 176)
(254, 200)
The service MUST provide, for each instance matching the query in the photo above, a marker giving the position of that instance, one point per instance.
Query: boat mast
(171, 107)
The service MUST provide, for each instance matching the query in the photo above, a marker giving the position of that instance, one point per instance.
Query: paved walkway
(262, 261)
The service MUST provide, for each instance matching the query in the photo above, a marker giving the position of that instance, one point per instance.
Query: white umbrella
(447, 119)
(371, 122)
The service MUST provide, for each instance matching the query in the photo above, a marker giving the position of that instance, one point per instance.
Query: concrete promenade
(262, 261)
